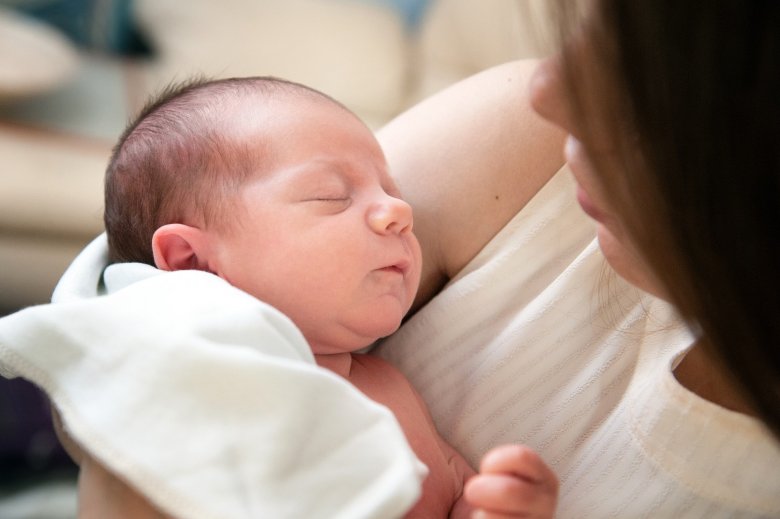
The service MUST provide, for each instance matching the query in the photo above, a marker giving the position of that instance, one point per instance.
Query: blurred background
(73, 72)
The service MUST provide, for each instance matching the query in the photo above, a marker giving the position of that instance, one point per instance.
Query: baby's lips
(402, 265)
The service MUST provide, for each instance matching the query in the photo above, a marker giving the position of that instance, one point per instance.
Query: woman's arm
(101, 493)
(468, 159)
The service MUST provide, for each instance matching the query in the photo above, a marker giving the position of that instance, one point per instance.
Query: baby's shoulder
(380, 380)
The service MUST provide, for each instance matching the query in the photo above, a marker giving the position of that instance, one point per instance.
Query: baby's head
(277, 189)
(183, 158)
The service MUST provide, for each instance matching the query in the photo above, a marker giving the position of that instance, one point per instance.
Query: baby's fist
(513, 481)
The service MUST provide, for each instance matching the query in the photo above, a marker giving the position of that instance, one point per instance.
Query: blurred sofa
(62, 105)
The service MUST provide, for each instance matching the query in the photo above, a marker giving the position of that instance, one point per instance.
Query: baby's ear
(180, 247)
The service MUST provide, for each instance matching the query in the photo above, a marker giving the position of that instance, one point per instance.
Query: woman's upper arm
(467, 159)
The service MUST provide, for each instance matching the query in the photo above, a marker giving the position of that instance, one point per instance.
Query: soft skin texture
(467, 160)
(320, 231)
(115, 498)
(513, 482)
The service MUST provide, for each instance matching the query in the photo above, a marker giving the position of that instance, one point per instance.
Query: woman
(672, 119)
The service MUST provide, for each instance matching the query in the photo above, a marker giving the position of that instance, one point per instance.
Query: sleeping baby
(284, 193)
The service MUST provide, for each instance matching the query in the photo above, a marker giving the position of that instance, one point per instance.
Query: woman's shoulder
(468, 159)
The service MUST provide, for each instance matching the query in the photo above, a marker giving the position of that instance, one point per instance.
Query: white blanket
(205, 399)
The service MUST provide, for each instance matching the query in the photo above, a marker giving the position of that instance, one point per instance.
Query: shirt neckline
(722, 455)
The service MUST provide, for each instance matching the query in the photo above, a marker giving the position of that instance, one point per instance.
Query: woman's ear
(180, 247)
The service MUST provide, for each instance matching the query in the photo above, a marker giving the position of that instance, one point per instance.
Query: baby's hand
(513, 481)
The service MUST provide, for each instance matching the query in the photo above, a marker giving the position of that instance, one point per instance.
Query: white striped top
(537, 341)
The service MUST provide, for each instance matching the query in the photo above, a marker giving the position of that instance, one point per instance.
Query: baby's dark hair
(177, 161)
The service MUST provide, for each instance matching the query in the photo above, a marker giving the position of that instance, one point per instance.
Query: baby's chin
(353, 340)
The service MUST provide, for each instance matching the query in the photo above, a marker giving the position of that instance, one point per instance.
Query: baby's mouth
(393, 269)
(400, 266)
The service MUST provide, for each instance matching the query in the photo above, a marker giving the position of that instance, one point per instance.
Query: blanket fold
(205, 399)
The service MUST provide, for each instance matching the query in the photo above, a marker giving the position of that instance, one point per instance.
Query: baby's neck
(339, 363)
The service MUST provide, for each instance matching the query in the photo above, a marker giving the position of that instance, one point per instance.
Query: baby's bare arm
(461, 508)
(467, 159)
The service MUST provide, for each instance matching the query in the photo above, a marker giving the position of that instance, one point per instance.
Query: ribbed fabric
(537, 341)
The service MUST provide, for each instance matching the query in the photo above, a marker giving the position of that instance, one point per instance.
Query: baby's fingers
(497, 496)
(513, 482)
(521, 462)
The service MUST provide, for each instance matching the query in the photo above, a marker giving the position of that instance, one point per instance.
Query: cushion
(354, 51)
(35, 57)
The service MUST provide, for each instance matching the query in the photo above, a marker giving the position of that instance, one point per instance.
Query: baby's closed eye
(327, 198)
(328, 189)
(329, 203)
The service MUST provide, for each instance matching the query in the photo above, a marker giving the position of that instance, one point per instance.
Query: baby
(285, 194)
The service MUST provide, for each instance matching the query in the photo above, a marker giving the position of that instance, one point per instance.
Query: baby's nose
(390, 215)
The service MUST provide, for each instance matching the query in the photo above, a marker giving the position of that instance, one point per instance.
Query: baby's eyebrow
(308, 170)
(329, 169)
(311, 176)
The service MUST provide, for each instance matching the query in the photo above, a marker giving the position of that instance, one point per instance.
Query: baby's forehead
(270, 116)
(269, 130)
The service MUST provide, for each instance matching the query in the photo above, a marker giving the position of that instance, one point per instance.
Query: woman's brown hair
(691, 95)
